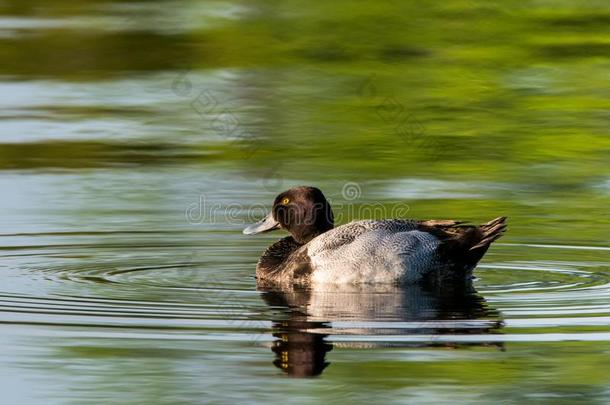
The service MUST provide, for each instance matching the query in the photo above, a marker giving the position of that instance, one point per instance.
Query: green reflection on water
(507, 103)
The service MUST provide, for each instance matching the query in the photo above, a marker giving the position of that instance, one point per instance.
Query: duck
(386, 251)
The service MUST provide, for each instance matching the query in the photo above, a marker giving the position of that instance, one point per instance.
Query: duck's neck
(274, 259)
(303, 239)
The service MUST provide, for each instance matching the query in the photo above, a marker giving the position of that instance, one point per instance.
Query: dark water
(138, 138)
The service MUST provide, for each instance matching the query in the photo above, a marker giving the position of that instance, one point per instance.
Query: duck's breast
(371, 254)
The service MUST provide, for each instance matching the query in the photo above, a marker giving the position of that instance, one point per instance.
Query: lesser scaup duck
(368, 251)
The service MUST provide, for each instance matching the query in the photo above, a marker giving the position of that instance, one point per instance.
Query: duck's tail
(476, 240)
(490, 232)
(464, 245)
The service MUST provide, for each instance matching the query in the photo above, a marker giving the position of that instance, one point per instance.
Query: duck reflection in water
(307, 316)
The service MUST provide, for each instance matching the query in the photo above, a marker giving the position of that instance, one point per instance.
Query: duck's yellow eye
(285, 200)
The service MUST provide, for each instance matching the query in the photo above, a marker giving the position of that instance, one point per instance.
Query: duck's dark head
(302, 211)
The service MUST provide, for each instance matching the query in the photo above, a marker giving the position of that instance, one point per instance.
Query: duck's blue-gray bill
(264, 225)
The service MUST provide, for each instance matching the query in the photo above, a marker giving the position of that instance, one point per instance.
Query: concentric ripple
(168, 286)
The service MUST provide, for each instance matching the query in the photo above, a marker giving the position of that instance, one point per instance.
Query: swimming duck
(403, 251)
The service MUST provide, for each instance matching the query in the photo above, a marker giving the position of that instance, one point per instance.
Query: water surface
(138, 139)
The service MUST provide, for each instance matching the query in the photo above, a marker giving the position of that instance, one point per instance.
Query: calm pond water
(137, 138)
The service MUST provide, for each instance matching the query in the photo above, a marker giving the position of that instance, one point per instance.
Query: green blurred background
(117, 116)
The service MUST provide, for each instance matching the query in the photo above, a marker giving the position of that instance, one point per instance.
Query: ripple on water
(161, 288)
